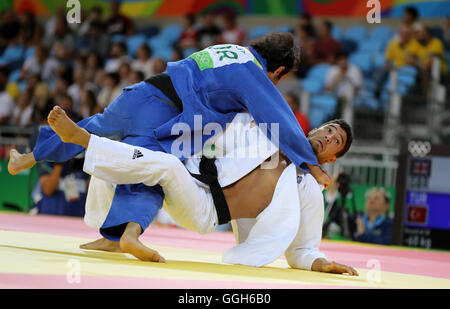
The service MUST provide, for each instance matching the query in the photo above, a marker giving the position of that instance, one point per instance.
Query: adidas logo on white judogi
(137, 154)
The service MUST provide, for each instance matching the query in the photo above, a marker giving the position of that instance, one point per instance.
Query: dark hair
(279, 49)
(97, 9)
(412, 11)
(306, 16)
(5, 70)
(308, 29)
(191, 18)
(328, 24)
(348, 130)
(115, 77)
(140, 75)
(147, 49)
(341, 54)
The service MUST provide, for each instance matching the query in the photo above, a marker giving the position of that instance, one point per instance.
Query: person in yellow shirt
(430, 47)
(404, 49)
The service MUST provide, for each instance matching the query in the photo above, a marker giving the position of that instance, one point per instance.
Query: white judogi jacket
(291, 223)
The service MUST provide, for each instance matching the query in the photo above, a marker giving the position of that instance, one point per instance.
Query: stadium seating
(315, 80)
(336, 33)
(321, 109)
(171, 33)
(371, 46)
(363, 60)
(13, 56)
(381, 33)
(356, 33)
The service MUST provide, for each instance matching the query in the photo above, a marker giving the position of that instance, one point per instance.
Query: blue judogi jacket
(214, 84)
(223, 80)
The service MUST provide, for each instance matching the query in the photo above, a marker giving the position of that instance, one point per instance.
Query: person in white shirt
(143, 61)
(262, 200)
(344, 78)
(6, 102)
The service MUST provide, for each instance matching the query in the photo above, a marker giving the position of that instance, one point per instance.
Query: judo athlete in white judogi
(289, 221)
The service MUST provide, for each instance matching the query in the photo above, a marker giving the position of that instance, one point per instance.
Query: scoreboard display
(422, 208)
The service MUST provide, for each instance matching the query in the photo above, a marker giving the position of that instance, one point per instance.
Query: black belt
(164, 84)
(208, 175)
(208, 169)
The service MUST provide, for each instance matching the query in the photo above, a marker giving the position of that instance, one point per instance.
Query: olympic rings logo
(419, 148)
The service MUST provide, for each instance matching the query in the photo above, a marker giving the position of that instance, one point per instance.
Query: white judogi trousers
(190, 206)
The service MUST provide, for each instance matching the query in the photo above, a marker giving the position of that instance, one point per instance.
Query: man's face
(342, 63)
(327, 141)
(405, 34)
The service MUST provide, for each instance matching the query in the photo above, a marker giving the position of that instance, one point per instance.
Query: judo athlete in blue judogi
(216, 83)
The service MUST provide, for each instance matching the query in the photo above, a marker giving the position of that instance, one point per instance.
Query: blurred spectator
(325, 47)
(375, 226)
(66, 103)
(95, 16)
(159, 66)
(77, 87)
(117, 57)
(306, 43)
(40, 63)
(232, 34)
(60, 87)
(96, 40)
(143, 61)
(410, 16)
(404, 49)
(42, 102)
(28, 26)
(94, 65)
(124, 75)
(431, 47)
(110, 90)
(136, 77)
(177, 54)
(447, 32)
(9, 29)
(189, 35)
(118, 23)
(209, 32)
(343, 78)
(305, 20)
(401, 50)
(60, 53)
(294, 103)
(6, 102)
(89, 105)
(62, 34)
(23, 111)
(50, 25)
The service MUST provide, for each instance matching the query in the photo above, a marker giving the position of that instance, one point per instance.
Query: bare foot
(66, 129)
(102, 244)
(136, 248)
(19, 162)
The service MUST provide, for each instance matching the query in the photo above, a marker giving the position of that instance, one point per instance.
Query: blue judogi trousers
(131, 118)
